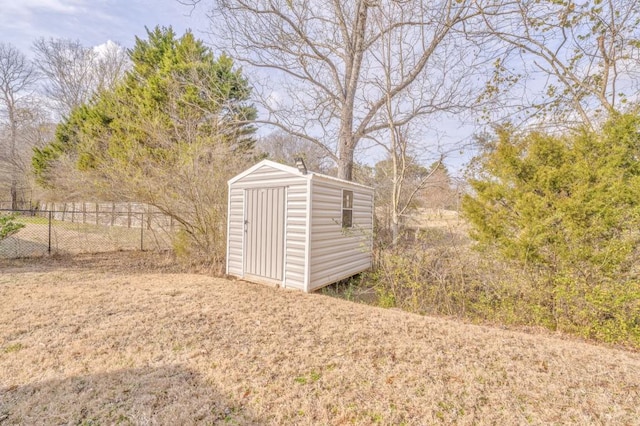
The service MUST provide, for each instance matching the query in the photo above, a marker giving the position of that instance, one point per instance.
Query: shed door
(264, 232)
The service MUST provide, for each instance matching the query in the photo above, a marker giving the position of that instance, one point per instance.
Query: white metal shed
(302, 231)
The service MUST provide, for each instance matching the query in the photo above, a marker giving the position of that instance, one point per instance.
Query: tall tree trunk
(396, 189)
(13, 157)
(345, 143)
(355, 47)
(395, 228)
(345, 157)
(14, 194)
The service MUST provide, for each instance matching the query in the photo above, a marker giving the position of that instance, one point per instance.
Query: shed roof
(293, 171)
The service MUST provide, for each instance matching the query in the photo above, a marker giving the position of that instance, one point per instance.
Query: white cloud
(107, 48)
(27, 7)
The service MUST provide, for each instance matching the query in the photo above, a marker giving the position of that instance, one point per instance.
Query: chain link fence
(85, 230)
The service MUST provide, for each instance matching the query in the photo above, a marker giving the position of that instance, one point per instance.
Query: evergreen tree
(170, 134)
(176, 93)
(567, 207)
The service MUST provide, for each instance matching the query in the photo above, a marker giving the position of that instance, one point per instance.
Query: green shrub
(8, 226)
(566, 209)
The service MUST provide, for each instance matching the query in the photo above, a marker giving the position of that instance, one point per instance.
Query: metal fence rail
(87, 231)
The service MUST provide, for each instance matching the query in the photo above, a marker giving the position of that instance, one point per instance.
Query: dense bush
(441, 274)
(568, 208)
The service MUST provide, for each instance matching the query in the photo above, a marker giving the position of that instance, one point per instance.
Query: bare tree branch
(323, 54)
(584, 54)
(75, 72)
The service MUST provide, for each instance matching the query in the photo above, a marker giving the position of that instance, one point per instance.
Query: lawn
(128, 339)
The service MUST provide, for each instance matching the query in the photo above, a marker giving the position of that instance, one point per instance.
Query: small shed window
(347, 208)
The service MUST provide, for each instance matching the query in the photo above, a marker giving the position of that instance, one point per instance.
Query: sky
(93, 22)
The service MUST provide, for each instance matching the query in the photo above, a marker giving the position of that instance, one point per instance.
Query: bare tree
(110, 64)
(282, 147)
(442, 191)
(321, 54)
(450, 86)
(579, 58)
(75, 72)
(400, 180)
(34, 130)
(17, 78)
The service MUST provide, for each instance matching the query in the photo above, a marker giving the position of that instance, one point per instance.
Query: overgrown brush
(439, 273)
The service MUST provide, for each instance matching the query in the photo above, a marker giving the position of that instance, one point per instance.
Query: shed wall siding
(296, 235)
(338, 254)
(236, 230)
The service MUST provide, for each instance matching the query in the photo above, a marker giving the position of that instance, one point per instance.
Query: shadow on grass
(165, 395)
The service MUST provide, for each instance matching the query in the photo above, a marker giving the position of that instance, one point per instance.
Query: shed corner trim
(307, 245)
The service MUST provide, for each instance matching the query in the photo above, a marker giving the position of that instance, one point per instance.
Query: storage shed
(298, 229)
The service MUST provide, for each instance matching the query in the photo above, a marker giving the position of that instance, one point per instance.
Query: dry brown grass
(106, 340)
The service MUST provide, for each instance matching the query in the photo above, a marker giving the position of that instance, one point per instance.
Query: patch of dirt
(128, 339)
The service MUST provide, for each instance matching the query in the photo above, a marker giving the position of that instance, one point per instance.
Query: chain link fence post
(49, 244)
